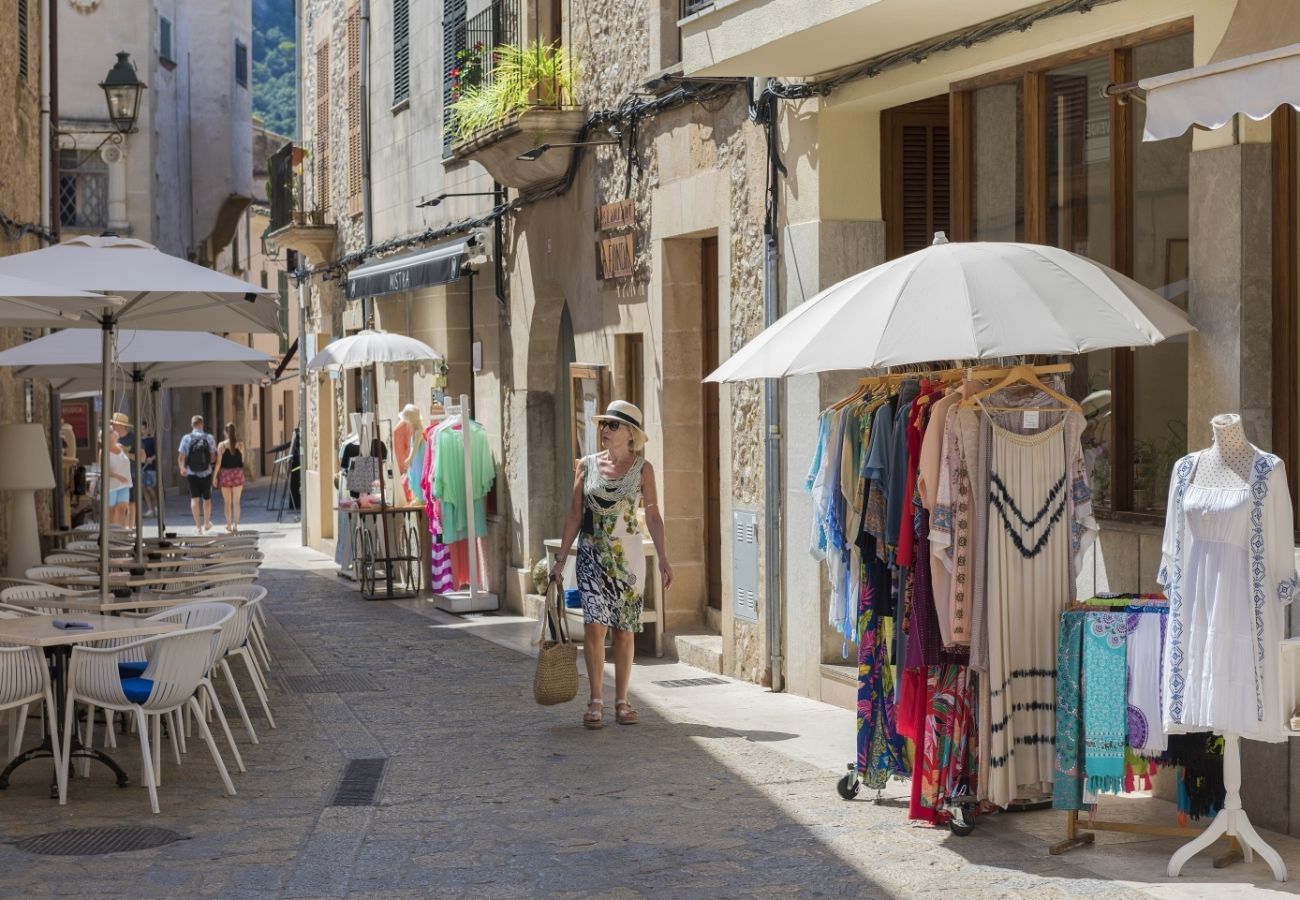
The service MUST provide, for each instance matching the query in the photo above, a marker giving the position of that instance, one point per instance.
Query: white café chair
(235, 640)
(48, 573)
(171, 677)
(201, 615)
(71, 558)
(257, 635)
(24, 680)
(28, 597)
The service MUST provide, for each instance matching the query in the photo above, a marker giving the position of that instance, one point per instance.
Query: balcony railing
(467, 46)
(690, 7)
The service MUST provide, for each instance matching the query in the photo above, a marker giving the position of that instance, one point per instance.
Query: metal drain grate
(98, 841)
(342, 683)
(359, 784)
(691, 682)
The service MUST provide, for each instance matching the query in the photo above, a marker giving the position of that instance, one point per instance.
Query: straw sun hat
(121, 419)
(625, 413)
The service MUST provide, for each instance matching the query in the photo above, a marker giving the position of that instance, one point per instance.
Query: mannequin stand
(1231, 820)
(472, 599)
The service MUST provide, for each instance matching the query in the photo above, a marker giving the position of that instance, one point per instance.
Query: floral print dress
(611, 556)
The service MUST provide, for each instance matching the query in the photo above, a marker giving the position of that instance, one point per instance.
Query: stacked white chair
(256, 634)
(24, 680)
(48, 573)
(172, 675)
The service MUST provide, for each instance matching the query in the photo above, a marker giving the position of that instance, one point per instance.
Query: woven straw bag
(556, 678)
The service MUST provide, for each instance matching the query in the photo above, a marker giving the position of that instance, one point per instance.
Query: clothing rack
(1079, 833)
(473, 599)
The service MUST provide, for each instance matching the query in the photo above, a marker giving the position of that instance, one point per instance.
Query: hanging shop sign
(616, 257)
(616, 215)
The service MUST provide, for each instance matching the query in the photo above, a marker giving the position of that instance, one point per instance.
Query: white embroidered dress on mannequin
(1229, 570)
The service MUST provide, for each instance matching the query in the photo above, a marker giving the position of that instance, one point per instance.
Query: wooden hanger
(1027, 375)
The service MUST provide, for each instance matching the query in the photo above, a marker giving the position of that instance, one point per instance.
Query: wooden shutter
(916, 174)
(453, 41)
(401, 50)
(322, 141)
(354, 111)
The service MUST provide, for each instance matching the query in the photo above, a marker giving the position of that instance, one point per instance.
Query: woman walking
(119, 474)
(229, 475)
(611, 560)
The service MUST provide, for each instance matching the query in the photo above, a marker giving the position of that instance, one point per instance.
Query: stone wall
(20, 202)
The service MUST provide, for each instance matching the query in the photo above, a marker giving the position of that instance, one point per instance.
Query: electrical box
(744, 564)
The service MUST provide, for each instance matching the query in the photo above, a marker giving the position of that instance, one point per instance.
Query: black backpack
(199, 456)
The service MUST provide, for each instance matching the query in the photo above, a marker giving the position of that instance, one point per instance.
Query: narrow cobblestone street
(486, 794)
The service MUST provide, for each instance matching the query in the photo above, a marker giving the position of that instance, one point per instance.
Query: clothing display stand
(472, 599)
(1231, 821)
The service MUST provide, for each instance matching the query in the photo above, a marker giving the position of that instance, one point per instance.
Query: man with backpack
(197, 452)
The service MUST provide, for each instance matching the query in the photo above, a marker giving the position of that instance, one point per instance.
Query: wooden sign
(616, 215)
(616, 256)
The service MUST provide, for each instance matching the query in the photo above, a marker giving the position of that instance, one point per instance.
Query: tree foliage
(275, 53)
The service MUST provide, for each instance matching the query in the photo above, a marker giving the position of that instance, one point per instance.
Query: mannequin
(1226, 464)
(407, 434)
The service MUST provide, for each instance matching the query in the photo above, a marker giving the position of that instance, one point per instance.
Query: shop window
(1053, 161)
(915, 174)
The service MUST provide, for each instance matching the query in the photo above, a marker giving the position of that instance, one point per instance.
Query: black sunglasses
(611, 425)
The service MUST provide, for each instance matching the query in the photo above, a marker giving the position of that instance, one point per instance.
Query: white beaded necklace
(607, 491)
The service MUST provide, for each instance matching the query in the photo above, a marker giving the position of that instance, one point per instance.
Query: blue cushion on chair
(137, 690)
(132, 668)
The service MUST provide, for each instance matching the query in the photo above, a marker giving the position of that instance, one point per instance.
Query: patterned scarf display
(880, 749)
(1105, 719)
(1146, 733)
(1067, 788)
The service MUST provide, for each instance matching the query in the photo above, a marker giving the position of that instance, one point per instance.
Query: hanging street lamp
(122, 89)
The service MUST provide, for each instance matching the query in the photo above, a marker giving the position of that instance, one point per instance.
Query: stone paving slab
(487, 795)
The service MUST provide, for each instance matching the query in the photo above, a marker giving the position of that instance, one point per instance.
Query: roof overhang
(441, 264)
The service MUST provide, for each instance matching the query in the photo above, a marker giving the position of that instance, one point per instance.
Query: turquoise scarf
(1105, 713)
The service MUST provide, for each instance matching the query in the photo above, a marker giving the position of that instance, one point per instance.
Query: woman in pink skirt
(229, 475)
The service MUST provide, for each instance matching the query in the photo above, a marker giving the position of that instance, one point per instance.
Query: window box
(497, 149)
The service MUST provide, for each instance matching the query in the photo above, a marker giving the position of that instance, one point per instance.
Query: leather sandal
(624, 714)
(594, 717)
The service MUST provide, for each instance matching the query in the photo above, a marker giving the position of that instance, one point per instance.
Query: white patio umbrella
(370, 347)
(960, 301)
(33, 304)
(158, 291)
(71, 361)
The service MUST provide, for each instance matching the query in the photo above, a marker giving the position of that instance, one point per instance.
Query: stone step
(703, 651)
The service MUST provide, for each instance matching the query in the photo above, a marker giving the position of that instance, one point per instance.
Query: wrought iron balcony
(284, 190)
(690, 7)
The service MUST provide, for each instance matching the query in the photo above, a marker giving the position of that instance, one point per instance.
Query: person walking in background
(119, 473)
(149, 471)
(195, 458)
(229, 475)
(611, 558)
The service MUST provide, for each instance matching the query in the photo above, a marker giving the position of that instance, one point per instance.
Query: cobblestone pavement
(487, 795)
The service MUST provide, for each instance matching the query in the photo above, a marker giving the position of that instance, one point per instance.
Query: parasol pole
(106, 404)
(155, 388)
(137, 408)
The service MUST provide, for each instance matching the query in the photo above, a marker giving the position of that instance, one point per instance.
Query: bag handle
(554, 618)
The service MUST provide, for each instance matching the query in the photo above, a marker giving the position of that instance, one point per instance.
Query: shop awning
(409, 271)
(1254, 70)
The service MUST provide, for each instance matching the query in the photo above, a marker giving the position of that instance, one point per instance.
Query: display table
(388, 557)
(651, 616)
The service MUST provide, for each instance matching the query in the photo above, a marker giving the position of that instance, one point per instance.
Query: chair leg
(257, 684)
(110, 736)
(142, 725)
(239, 701)
(52, 719)
(22, 728)
(155, 738)
(216, 754)
(173, 732)
(90, 739)
(69, 705)
(179, 715)
(210, 697)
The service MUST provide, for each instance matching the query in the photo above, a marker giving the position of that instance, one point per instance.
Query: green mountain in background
(275, 53)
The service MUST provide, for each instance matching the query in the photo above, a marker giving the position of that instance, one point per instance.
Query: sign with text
(617, 259)
(616, 215)
(77, 414)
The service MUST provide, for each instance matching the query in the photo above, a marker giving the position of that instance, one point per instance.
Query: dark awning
(409, 271)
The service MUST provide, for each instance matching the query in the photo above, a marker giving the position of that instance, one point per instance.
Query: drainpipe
(302, 409)
(772, 422)
(367, 225)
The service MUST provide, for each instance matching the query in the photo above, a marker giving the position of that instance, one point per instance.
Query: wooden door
(915, 174)
(712, 425)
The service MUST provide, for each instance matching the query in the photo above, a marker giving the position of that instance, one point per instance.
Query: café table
(127, 580)
(39, 631)
(92, 603)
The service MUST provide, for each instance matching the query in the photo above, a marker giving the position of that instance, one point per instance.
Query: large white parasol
(158, 291)
(372, 347)
(34, 304)
(960, 301)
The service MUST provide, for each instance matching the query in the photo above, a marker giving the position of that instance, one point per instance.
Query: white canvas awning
(1254, 70)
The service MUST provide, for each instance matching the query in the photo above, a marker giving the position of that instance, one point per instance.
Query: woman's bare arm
(654, 523)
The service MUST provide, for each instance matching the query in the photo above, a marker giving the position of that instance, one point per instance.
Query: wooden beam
(1036, 117)
(1123, 363)
(1286, 440)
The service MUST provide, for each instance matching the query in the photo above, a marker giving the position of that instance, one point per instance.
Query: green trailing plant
(519, 78)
